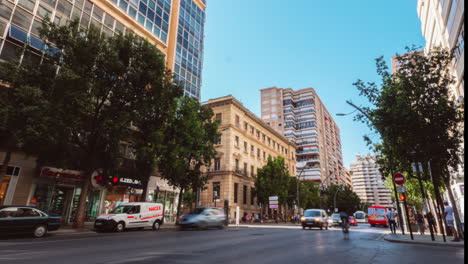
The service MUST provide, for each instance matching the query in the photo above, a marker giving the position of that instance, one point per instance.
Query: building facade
(442, 24)
(175, 27)
(367, 182)
(245, 145)
(348, 178)
(302, 118)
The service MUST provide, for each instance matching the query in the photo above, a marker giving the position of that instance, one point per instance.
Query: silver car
(314, 218)
(203, 217)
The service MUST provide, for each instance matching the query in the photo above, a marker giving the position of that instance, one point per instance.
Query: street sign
(273, 202)
(273, 206)
(399, 178)
(273, 198)
(401, 189)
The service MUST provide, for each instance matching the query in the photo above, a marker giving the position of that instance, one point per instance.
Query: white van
(131, 215)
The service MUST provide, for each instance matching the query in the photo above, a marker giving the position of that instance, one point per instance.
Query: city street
(265, 244)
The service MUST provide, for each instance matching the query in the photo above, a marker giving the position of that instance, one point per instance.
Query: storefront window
(168, 199)
(11, 172)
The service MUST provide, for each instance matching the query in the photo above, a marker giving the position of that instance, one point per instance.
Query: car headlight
(317, 219)
(303, 219)
(339, 221)
(108, 218)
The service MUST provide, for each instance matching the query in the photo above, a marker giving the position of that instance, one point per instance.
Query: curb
(415, 242)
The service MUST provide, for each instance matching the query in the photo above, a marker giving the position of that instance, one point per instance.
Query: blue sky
(327, 45)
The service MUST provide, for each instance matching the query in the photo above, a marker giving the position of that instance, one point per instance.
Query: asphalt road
(290, 245)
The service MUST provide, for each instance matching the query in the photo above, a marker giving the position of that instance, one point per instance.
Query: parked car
(314, 218)
(336, 220)
(203, 217)
(131, 215)
(352, 221)
(27, 220)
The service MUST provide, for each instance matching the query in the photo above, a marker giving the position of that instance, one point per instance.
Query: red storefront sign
(61, 174)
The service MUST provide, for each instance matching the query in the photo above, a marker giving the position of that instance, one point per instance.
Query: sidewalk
(424, 240)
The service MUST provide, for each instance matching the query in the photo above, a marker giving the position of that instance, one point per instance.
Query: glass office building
(175, 27)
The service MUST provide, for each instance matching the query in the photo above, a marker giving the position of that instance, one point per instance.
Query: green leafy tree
(346, 199)
(273, 179)
(309, 193)
(189, 146)
(415, 116)
(22, 112)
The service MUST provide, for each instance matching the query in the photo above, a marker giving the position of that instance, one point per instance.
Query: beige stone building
(348, 178)
(303, 118)
(245, 145)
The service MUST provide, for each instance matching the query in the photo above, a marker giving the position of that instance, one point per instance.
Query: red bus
(377, 215)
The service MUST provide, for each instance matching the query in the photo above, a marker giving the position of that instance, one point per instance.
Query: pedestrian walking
(391, 220)
(420, 221)
(448, 214)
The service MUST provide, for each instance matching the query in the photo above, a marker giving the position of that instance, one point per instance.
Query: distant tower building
(367, 182)
(302, 118)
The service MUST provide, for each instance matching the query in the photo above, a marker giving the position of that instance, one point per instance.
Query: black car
(24, 220)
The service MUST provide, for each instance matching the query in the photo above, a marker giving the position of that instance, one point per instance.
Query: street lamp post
(308, 164)
(391, 166)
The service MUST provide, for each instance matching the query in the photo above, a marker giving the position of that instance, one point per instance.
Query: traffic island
(423, 240)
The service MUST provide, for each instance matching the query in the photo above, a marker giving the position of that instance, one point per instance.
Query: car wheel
(310, 227)
(156, 225)
(326, 227)
(120, 227)
(221, 225)
(40, 231)
(321, 226)
(303, 227)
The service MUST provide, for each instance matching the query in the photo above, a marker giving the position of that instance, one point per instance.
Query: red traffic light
(98, 179)
(115, 180)
(402, 197)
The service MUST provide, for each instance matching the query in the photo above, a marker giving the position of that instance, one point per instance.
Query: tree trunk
(439, 209)
(455, 208)
(81, 210)
(4, 166)
(179, 204)
(144, 194)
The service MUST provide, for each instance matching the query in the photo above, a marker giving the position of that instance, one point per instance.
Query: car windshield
(196, 211)
(121, 209)
(359, 215)
(312, 213)
(336, 216)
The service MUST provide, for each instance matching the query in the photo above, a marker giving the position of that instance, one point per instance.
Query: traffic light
(114, 180)
(402, 197)
(99, 179)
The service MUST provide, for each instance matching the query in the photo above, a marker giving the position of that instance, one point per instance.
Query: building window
(252, 149)
(219, 117)
(219, 141)
(258, 153)
(236, 192)
(245, 169)
(453, 11)
(264, 155)
(236, 141)
(237, 121)
(245, 146)
(246, 126)
(244, 195)
(252, 196)
(252, 171)
(216, 191)
(252, 130)
(217, 164)
(263, 137)
(237, 165)
(460, 43)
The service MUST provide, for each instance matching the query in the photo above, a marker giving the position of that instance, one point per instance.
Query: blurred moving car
(27, 220)
(336, 219)
(352, 221)
(203, 217)
(131, 215)
(314, 218)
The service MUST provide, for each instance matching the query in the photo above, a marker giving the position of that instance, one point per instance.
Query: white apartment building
(442, 24)
(367, 182)
(303, 119)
